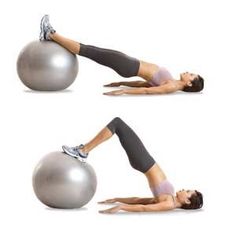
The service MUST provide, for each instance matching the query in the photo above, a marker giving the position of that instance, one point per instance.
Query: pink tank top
(160, 77)
(165, 187)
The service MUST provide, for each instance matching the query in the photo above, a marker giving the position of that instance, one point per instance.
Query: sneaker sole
(73, 155)
(42, 33)
(69, 153)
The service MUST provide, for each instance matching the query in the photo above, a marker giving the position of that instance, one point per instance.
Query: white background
(192, 136)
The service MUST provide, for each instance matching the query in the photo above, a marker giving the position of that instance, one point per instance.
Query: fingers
(108, 85)
(101, 202)
(110, 210)
(107, 201)
(114, 92)
(107, 93)
(112, 85)
(103, 211)
(111, 93)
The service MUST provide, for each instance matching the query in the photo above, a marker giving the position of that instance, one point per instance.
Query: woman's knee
(117, 120)
(114, 124)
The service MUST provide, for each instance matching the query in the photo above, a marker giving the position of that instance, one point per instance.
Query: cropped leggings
(123, 64)
(139, 157)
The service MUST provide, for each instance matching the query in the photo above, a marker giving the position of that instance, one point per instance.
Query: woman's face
(188, 77)
(184, 195)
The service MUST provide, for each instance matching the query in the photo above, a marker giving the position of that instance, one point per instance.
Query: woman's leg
(123, 64)
(139, 157)
(83, 150)
(101, 137)
(69, 44)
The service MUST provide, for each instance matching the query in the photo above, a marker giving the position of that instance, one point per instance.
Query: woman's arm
(162, 206)
(163, 89)
(131, 200)
(137, 83)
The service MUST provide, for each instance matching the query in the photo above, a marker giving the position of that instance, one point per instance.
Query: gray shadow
(173, 212)
(48, 92)
(60, 209)
(160, 213)
(163, 213)
(156, 95)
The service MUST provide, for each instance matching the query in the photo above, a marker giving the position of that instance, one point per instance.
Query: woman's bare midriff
(155, 175)
(146, 70)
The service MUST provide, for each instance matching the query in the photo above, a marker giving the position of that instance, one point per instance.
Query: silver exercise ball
(46, 66)
(61, 181)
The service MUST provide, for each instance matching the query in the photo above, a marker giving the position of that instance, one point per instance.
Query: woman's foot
(45, 29)
(75, 152)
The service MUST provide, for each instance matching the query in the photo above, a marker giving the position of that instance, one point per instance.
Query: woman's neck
(179, 83)
(177, 203)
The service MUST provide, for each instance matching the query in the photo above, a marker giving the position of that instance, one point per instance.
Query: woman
(164, 196)
(156, 79)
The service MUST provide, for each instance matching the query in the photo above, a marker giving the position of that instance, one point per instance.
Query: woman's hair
(197, 85)
(196, 201)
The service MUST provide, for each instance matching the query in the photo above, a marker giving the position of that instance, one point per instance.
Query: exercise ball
(46, 66)
(61, 181)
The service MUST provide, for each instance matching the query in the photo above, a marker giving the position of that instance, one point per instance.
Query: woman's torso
(154, 74)
(158, 182)
(164, 188)
(160, 77)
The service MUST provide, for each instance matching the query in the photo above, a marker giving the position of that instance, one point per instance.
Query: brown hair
(196, 201)
(197, 85)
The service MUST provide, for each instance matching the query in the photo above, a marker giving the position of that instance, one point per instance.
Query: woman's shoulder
(163, 198)
(165, 202)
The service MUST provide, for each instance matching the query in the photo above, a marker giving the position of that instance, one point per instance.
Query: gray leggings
(123, 64)
(139, 157)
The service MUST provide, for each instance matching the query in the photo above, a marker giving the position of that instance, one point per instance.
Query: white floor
(192, 136)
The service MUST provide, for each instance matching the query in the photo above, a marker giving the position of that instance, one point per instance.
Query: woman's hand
(111, 210)
(112, 200)
(115, 92)
(115, 84)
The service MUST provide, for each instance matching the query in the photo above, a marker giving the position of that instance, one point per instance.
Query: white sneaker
(45, 29)
(75, 152)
